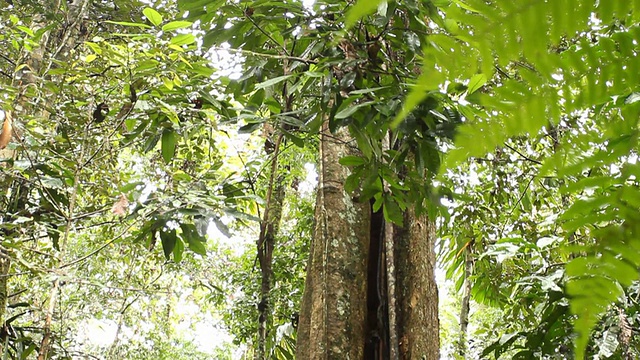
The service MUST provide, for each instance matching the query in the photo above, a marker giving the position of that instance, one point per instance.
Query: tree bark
(266, 243)
(466, 298)
(333, 310)
(416, 291)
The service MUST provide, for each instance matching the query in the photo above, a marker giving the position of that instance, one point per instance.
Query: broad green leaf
(26, 30)
(183, 39)
(168, 240)
(272, 82)
(131, 24)
(428, 81)
(361, 9)
(95, 47)
(391, 210)
(153, 16)
(352, 182)
(168, 83)
(197, 246)
(169, 140)
(352, 160)
(174, 25)
(350, 110)
(476, 82)
(178, 250)
(297, 141)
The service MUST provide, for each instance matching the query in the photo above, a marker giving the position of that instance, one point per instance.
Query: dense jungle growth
(328, 179)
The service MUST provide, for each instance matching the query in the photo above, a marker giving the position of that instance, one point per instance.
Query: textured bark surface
(416, 290)
(332, 317)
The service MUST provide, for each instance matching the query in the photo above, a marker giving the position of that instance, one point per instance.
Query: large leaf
(361, 9)
(169, 140)
(168, 239)
(153, 16)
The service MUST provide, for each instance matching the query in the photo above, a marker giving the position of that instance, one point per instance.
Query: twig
(271, 56)
(522, 195)
(523, 156)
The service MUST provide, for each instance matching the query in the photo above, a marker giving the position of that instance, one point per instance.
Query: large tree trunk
(333, 310)
(349, 254)
(417, 292)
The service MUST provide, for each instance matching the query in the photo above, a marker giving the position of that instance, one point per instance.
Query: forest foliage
(518, 122)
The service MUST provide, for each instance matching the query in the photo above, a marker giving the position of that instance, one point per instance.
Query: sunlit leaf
(153, 16)
(361, 9)
(183, 39)
(174, 25)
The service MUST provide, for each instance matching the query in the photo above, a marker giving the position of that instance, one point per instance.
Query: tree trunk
(417, 292)
(266, 243)
(464, 309)
(333, 310)
(66, 38)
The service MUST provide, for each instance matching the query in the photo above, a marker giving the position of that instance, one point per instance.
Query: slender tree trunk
(67, 38)
(417, 292)
(464, 309)
(333, 310)
(266, 243)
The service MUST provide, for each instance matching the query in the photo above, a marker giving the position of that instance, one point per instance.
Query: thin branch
(267, 34)
(523, 156)
(270, 56)
(522, 195)
(111, 241)
(8, 59)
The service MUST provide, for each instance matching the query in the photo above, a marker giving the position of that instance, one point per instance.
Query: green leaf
(174, 25)
(352, 160)
(476, 82)
(273, 81)
(178, 250)
(257, 98)
(26, 30)
(169, 139)
(197, 246)
(168, 242)
(297, 141)
(361, 9)
(131, 24)
(366, 91)
(183, 39)
(352, 182)
(428, 81)
(391, 210)
(224, 229)
(350, 110)
(154, 17)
